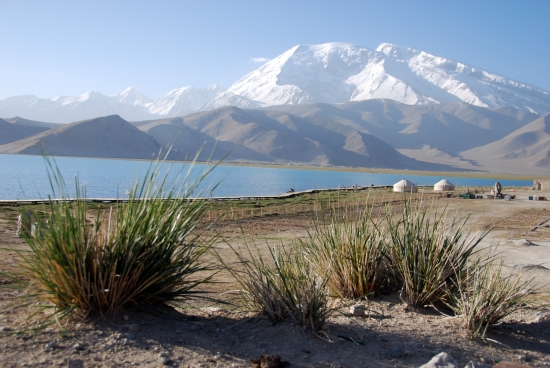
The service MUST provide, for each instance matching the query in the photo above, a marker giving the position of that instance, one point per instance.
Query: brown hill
(527, 150)
(10, 132)
(22, 121)
(109, 136)
(449, 127)
(278, 137)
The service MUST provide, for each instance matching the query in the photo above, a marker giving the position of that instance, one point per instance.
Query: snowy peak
(131, 96)
(184, 100)
(396, 52)
(341, 72)
(306, 74)
(334, 72)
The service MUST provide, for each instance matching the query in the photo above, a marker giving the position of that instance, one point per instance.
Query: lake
(25, 177)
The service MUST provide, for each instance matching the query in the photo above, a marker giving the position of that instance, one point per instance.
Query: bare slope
(449, 127)
(108, 136)
(12, 132)
(275, 136)
(172, 132)
(525, 150)
(22, 121)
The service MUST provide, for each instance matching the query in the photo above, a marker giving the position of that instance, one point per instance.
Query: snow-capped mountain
(342, 72)
(64, 109)
(326, 73)
(184, 100)
(133, 97)
(129, 104)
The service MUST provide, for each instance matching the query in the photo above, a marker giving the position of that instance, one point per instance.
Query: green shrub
(280, 286)
(484, 296)
(350, 247)
(146, 251)
(427, 254)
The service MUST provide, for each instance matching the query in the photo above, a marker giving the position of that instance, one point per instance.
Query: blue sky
(52, 48)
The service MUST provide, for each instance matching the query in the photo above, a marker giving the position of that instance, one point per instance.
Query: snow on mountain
(470, 84)
(65, 109)
(326, 73)
(184, 100)
(342, 72)
(131, 96)
(230, 99)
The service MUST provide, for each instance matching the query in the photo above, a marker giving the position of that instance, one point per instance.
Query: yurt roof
(404, 183)
(444, 182)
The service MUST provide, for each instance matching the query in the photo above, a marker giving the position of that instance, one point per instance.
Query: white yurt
(404, 186)
(444, 185)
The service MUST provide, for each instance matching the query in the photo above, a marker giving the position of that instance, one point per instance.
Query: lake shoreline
(404, 172)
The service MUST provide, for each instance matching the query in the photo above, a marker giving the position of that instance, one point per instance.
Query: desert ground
(212, 334)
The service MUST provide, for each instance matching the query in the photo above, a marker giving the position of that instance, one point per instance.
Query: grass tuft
(484, 296)
(428, 252)
(349, 246)
(146, 251)
(281, 285)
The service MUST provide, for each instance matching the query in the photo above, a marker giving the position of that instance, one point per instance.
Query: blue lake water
(25, 177)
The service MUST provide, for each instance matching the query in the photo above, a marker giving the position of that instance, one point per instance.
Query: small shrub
(282, 285)
(427, 254)
(149, 251)
(484, 296)
(350, 248)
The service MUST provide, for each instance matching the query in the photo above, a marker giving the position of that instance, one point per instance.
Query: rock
(358, 310)
(441, 360)
(269, 361)
(75, 363)
(476, 364)
(78, 346)
(126, 317)
(50, 346)
(163, 360)
(5, 329)
(526, 243)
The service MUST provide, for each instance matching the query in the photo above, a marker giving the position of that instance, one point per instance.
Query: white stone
(441, 360)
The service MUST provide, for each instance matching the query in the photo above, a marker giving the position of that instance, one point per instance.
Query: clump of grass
(146, 251)
(484, 296)
(350, 247)
(281, 285)
(427, 253)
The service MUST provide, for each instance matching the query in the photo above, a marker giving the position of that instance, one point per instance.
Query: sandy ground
(214, 335)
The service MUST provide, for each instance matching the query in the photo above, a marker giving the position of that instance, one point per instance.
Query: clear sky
(51, 48)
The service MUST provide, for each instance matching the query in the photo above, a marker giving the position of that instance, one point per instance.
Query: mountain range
(333, 104)
(346, 135)
(326, 73)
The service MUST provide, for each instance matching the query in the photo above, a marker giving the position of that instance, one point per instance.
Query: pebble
(358, 310)
(441, 360)
(5, 328)
(163, 360)
(50, 346)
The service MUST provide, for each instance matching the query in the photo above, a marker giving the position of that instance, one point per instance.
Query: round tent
(404, 186)
(444, 185)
